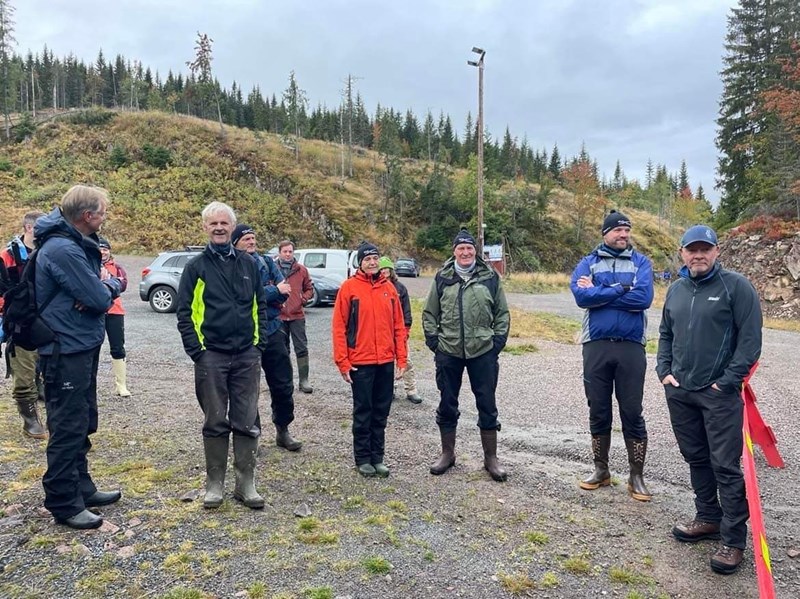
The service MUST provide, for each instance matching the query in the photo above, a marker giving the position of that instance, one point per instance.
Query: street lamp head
(477, 50)
(472, 63)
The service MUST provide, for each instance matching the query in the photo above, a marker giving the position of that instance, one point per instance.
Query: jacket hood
(603, 252)
(55, 224)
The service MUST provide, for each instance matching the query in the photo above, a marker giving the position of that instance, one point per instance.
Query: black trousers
(278, 371)
(70, 393)
(115, 329)
(615, 367)
(483, 372)
(373, 388)
(226, 386)
(708, 427)
(296, 330)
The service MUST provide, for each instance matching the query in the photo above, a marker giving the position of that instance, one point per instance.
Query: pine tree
(201, 66)
(683, 179)
(555, 164)
(7, 42)
(296, 102)
(759, 33)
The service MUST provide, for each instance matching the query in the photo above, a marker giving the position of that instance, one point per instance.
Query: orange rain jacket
(367, 324)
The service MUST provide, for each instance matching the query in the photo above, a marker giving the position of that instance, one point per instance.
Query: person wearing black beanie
(366, 249)
(614, 284)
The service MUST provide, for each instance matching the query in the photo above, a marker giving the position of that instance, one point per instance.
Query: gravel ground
(459, 535)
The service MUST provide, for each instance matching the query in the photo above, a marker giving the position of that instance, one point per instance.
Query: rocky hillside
(767, 251)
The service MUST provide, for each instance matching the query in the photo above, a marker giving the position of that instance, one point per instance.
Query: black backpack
(22, 324)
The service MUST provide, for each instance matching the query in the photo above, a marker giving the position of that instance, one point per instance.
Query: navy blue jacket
(623, 291)
(68, 270)
(271, 275)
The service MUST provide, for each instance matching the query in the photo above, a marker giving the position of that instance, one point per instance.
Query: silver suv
(160, 280)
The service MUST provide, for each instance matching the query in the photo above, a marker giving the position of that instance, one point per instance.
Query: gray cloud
(633, 79)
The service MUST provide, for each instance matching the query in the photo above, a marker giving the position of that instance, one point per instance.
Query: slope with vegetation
(161, 169)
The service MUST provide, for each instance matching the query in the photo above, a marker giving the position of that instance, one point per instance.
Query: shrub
(119, 157)
(156, 156)
(19, 172)
(25, 128)
(5, 166)
(94, 116)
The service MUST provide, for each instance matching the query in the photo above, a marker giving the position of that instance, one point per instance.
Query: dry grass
(782, 325)
(536, 282)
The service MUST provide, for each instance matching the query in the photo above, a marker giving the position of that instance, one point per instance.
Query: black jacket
(221, 306)
(405, 302)
(710, 331)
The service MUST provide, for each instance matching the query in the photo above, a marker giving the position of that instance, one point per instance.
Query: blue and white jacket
(615, 308)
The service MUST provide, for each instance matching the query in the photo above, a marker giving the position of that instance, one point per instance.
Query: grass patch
(96, 584)
(782, 325)
(622, 575)
(522, 348)
(397, 506)
(543, 325)
(536, 537)
(318, 593)
(376, 565)
(184, 593)
(549, 580)
(517, 583)
(651, 347)
(536, 282)
(353, 502)
(577, 565)
(257, 590)
(311, 532)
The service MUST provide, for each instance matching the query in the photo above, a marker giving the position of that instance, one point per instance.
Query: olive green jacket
(466, 318)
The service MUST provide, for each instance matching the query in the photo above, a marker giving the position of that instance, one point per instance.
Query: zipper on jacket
(461, 286)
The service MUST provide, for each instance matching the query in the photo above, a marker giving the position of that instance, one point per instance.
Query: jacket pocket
(352, 324)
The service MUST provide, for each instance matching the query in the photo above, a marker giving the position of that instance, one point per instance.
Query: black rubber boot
(244, 466)
(31, 425)
(490, 461)
(285, 440)
(216, 450)
(302, 371)
(637, 450)
(601, 476)
(448, 457)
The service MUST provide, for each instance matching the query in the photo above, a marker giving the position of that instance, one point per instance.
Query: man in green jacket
(466, 323)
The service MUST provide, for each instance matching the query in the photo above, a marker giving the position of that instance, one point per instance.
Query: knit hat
(615, 219)
(102, 242)
(240, 231)
(385, 262)
(366, 249)
(463, 236)
(699, 233)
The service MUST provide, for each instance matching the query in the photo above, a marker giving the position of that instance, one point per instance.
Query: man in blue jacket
(710, 337)
(73, 293)
(275, 361)
(614, 284)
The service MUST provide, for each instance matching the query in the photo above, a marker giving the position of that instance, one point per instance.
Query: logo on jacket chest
(713, 298)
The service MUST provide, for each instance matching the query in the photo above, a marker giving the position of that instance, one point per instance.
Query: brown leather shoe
(694, 531)
(727, 559)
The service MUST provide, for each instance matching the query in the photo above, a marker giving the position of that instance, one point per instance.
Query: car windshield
(404, 263)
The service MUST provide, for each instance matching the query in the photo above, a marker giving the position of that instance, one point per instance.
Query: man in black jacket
(710, 337)
(222, 318)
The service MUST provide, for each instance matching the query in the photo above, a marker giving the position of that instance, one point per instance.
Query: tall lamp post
(479, 64)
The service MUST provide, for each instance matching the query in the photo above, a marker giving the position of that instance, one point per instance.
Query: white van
(338, 264)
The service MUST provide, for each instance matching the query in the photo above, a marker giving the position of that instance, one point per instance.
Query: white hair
(215, 207)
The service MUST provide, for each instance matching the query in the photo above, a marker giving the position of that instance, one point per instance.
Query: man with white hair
(222, 318)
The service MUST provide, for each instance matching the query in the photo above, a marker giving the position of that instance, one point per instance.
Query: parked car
(326, 287)
(327, 261)
(160, 280)
(406, 267)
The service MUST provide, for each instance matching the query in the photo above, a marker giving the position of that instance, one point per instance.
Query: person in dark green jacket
(466, 322)
(222, 319)
(710, 338)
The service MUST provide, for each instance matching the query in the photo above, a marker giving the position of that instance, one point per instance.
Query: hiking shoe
(727, 559)
(381, 469)
(694, 531)
(414, 398)
(366, 470)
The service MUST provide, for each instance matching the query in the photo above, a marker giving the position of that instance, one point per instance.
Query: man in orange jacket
(368, 337)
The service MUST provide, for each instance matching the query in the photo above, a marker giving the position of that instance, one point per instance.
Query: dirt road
(412, 535)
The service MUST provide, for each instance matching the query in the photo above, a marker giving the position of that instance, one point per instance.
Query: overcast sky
(633, 79)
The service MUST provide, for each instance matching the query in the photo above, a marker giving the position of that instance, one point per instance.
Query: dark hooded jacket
(68, 271)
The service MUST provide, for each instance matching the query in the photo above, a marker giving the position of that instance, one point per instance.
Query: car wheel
(162, 299)
(314, 301)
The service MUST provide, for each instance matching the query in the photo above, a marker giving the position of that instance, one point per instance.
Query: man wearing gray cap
(710, 337)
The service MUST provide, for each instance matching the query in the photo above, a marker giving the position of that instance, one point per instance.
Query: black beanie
(240, 231)
(102, 242)
(463, 236)
(366, 249)
(615, 219)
